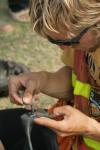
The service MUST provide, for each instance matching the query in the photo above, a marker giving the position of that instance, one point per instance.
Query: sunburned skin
(96, 34)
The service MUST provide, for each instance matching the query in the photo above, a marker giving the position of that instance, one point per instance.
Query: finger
(36, 97)
(62, 134)
(14, 98)
(59, 133)
(15, 102)
(29, 92)
(49, 123)
(13, 92)
(65, 110)
(55, 126)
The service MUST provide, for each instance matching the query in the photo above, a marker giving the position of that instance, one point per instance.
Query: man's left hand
(74, 122)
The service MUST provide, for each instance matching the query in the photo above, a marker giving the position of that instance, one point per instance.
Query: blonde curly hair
(53, 15)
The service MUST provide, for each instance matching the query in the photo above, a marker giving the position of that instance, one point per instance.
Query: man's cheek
(89, 45)
(82, 47)
(93, 45)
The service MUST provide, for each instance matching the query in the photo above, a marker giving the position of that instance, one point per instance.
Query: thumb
(29, 92)
(63, 110)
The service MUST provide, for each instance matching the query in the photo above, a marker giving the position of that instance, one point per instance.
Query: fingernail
(26, 100)
(56, 113)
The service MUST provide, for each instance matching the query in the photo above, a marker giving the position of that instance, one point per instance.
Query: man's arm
(57, 84)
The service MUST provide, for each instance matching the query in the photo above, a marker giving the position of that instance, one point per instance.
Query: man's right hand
(30, 83)
(57, 84)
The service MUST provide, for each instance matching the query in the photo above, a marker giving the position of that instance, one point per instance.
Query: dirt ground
(22, 45)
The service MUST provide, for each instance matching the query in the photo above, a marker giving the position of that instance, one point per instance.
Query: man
(75, 27)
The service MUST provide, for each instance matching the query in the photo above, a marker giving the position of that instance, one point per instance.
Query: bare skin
(57, 84)
(74, 123)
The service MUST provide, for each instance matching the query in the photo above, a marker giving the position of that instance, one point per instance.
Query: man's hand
(74, 123)
(30, 84)
(57, 84)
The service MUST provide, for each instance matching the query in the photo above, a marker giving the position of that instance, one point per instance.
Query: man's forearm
(93, 129)
(58, 84)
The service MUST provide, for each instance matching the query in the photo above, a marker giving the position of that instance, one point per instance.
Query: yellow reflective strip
(74, 146)
(82, 89)
(95, 145)
(74, 79)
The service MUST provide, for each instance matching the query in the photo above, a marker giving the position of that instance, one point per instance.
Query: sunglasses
(69, 42)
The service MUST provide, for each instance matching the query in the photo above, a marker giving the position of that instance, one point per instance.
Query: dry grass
(22, 45)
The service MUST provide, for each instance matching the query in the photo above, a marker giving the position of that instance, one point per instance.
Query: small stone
(6, 28)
